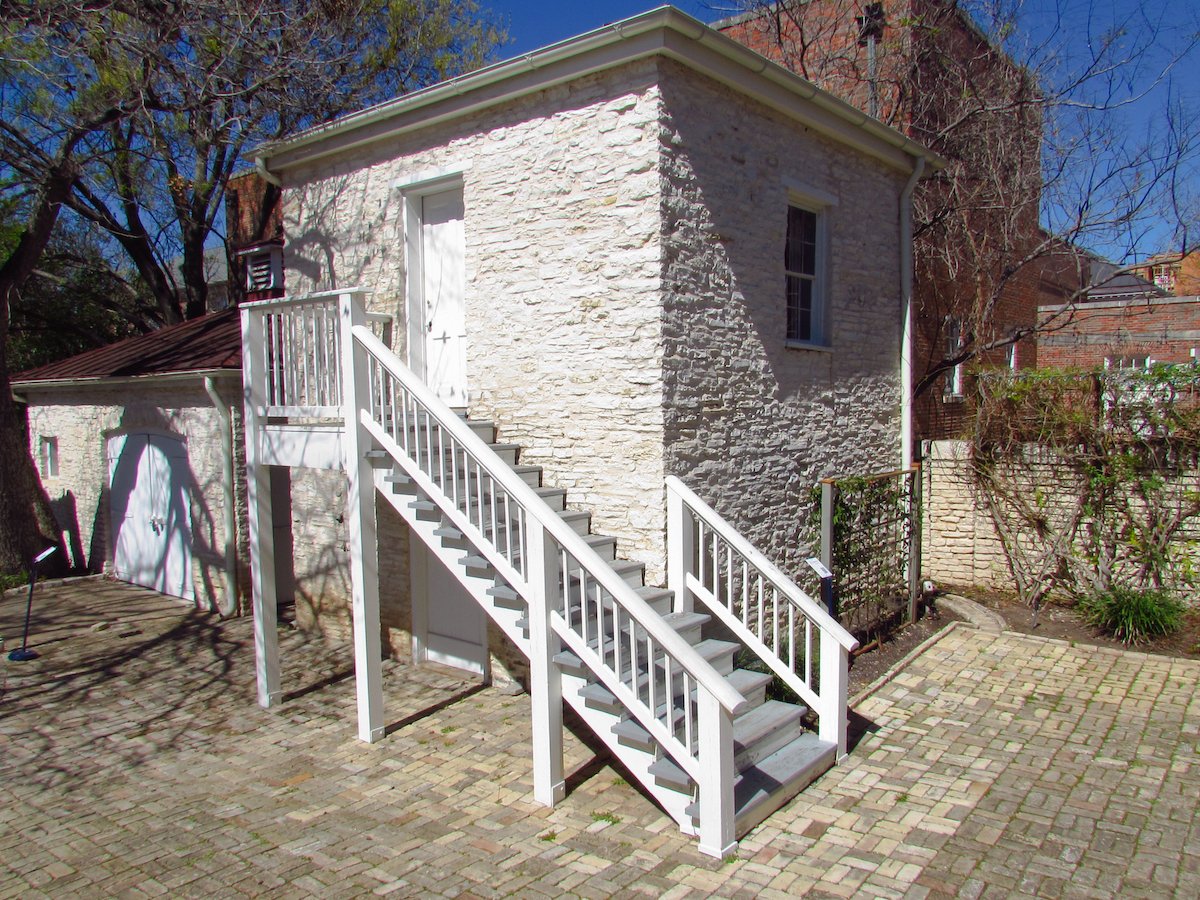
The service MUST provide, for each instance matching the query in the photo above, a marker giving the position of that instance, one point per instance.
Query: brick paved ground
(133, 761)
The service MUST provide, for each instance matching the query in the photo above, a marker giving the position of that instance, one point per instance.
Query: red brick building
(1125, 332)
(1175, 273)
(983, 265)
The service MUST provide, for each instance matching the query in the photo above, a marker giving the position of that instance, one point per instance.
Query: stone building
(640, 261)
(622, 218)
(983, 264)
(138, 446)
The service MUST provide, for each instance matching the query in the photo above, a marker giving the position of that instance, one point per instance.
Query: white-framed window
(1128, 363)
(807, 307)
(1012, 357)
(48, 456)
(953, 389)
(1164, 277)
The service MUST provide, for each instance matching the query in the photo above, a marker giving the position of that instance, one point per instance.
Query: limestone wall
(84, 418)
(751, 423)
(959, 543)
(562, 263)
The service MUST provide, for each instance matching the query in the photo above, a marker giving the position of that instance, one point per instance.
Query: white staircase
(650, 670)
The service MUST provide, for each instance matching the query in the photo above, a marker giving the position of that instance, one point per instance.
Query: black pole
(23, 653)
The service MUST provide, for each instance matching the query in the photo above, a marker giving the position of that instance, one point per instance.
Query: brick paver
(134, 762)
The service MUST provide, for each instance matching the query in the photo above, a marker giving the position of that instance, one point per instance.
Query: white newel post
(360, 526)
(545, 678)
(835, 679)
(717, 835)
(258, 510)
(681, 549)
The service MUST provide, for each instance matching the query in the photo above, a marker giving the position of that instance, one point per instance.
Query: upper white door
(152, 539)
(443, 295)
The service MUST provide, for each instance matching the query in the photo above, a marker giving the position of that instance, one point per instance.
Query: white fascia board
(198, 375)
(663, 32)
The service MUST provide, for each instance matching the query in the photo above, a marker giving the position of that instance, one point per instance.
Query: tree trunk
(26, 523)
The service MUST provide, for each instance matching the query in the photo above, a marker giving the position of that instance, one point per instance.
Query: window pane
(799, 308)
(801, 253)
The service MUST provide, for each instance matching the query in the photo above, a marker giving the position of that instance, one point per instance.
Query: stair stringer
(425, 529)
(636, 761)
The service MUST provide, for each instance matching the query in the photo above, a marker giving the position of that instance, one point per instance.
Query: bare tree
(133, 114)
(1032, 109)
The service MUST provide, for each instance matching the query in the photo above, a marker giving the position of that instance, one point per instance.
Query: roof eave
(661, 32)
(109, 380)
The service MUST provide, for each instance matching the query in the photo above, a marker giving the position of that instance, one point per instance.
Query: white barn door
(440, 302)
(151, 521)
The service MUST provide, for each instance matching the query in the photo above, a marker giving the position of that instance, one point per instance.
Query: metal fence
(871, 541)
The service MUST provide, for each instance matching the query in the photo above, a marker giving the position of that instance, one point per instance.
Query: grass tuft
(1132, 615)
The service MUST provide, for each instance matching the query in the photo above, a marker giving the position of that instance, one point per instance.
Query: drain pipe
(230, 605)
(906, 336)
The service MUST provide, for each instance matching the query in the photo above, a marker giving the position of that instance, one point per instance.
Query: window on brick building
(1011, 357)
(48, 456)
(1164, 277)
(807, 309)
(953, 389)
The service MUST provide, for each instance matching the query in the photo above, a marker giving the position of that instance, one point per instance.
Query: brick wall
(1167, 329)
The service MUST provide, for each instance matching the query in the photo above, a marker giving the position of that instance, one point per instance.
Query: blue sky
(533, 24)
(1055, 34)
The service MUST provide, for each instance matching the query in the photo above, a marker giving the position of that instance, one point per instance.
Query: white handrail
(809, 607)
(292, 299)
(602, 572)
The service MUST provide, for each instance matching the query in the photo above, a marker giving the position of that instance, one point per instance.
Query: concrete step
(761, 731)
(766, 786)
(751, 685)
(757, 735)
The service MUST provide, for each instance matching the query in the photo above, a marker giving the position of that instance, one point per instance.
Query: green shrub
(18, 579)
(1132, 615)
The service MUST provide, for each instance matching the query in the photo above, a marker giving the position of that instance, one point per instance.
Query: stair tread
(747, 681)
(764, 720)
(762, 788)
(747, 729)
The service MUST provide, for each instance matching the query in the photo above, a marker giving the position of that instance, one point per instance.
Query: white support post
(835, 680)
(717, 826)
(545, 678)
(259, 513)
(681, 550)
(361, 527)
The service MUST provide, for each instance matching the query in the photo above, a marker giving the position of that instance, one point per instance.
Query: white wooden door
(448, 625)
(443, 295)
(152, 535)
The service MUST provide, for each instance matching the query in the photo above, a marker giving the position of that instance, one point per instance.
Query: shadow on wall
(65, 510)
(320, 561)
(157, 516)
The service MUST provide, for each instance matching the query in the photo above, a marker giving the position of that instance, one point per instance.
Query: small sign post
(23, 653)
(826, 584)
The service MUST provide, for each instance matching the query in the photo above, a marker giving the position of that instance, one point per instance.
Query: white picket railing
(321, 359)
(798, 640)
(302, 337)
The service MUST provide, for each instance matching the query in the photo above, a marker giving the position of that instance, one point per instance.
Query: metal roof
(209, 343)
